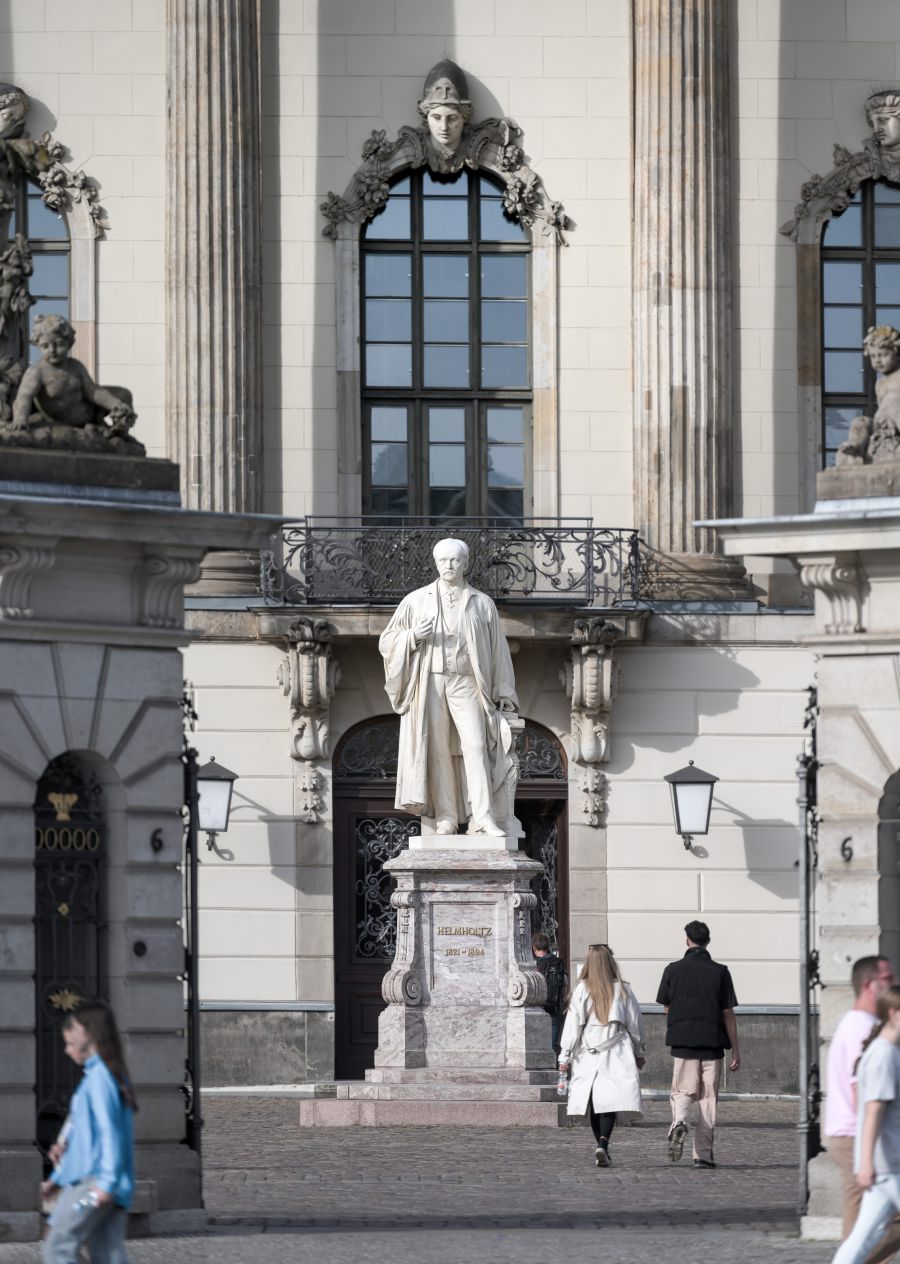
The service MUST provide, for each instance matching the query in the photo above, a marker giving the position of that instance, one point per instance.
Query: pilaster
(214, 383)
(681, 271)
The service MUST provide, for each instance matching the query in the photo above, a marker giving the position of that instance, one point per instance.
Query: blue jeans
(101, 1229)
(878, 1207)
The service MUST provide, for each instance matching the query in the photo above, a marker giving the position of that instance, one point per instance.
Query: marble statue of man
(449, 675)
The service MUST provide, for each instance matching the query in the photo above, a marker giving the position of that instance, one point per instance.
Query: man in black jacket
(554, 973)
(699, 998)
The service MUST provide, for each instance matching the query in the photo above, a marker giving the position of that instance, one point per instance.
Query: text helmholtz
(484, 932)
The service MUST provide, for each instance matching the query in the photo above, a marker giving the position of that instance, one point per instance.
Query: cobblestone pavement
(276, 1192)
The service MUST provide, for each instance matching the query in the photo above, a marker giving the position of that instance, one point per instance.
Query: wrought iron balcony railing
(560, 562)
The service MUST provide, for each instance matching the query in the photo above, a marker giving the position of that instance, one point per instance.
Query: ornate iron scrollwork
(370, 753)
(340, 561)
(69, 847)
(376, 840)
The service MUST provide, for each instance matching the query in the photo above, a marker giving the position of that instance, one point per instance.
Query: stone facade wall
(96, 77)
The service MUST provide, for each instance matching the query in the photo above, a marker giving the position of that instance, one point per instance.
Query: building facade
(569, 332)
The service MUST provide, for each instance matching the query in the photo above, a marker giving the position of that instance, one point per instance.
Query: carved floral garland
(491, 144)
(824, 196)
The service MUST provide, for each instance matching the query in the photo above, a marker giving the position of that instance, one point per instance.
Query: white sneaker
(601, 1157)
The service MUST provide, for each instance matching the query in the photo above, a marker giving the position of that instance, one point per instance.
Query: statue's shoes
(487, 826)
(444, 825)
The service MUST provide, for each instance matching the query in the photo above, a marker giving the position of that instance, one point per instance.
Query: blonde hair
(600, 974)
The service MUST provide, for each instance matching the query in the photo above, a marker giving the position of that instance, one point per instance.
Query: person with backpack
(603, 1044)
(93, 1180)
(557, 981)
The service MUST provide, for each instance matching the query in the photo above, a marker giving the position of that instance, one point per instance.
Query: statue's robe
(407, 668)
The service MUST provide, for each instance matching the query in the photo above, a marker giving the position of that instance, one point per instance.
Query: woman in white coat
(603, 1043)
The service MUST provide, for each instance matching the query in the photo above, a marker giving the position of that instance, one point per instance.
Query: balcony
(562, 563)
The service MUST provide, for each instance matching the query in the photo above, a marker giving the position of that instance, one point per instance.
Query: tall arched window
(446, 364)
(860, 288)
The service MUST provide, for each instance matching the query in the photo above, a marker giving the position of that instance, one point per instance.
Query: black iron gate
(810, 1075)
(69, 846)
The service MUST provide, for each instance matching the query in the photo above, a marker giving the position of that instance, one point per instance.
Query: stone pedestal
(463, 991)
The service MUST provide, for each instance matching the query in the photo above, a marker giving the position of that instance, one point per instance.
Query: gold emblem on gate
(62, 805)
(65, 999)
(63, 909)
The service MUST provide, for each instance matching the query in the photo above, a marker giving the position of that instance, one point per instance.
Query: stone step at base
(432, 1113)
(454, 1092)
(458, 1075)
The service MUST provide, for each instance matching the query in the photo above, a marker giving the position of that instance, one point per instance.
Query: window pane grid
(445, 318)
(860, 272)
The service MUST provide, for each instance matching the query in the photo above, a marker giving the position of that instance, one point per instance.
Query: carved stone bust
(446, 108)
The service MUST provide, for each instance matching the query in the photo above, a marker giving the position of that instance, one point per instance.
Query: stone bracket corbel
(163, 580)
(840, 578)
(309, 675)
(19, 563)
(590, 678)
(402, 985)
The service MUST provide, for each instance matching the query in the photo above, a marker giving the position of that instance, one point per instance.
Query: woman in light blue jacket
(94, 1177)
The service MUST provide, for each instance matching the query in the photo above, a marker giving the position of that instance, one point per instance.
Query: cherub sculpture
(15, 269)
(879, 440)
(58, 404)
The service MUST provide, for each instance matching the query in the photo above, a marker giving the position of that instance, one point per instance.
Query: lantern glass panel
(215, 801)
(691, 803)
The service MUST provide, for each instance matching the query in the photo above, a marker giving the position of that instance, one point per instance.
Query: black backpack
(555, 976)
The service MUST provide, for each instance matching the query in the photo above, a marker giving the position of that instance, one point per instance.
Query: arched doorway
(69, 848)
(368, 830)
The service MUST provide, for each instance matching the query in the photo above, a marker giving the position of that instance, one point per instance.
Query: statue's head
(451, 557)
(54, 335)
(445, 104)
(883, 113)
(882, 345)
(13, 108)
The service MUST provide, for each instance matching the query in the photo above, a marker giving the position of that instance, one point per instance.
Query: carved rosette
(493, 144)
(590, 679)
(526, 985)
(402, 985)
(842, 582)
(19, 563)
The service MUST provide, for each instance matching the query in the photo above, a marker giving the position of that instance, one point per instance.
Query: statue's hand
(506, 704)
(423, 630)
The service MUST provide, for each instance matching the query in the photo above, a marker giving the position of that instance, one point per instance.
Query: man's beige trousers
(697, 1080)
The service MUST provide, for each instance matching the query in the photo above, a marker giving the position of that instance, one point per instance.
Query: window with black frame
(48, 241)
(860, 288)
(446, 355)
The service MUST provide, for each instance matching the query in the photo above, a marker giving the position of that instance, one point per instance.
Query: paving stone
(277, 1193)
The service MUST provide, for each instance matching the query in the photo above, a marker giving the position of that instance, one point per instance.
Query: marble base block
(464, 842)
(463, 992)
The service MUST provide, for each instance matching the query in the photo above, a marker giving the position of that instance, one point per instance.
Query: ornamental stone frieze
(309, 675)
(821, 197)
(446, 142)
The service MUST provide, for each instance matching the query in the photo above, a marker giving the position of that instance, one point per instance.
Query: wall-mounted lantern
(215, 784)
(692, 790)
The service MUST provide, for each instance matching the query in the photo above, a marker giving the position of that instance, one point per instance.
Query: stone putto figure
(870, 443)
(58, 404)
(449, 676)
(16, 267)
(446, 108)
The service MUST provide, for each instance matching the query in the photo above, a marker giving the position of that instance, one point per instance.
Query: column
(682, 293)
(214, 277)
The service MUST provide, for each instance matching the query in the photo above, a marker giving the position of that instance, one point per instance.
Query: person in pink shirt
(871, 977)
